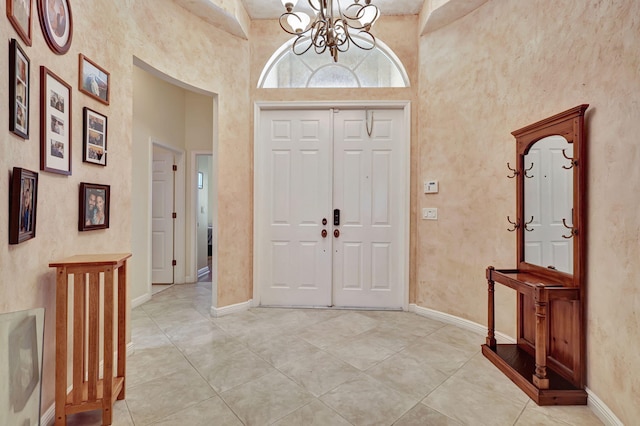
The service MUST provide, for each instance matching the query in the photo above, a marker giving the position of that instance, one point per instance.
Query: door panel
(366, 257)
(161, 217)
(298, 270)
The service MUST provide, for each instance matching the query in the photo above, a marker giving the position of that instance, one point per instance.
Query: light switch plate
(430, 186)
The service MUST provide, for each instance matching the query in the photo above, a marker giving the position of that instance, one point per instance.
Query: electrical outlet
(430, 214)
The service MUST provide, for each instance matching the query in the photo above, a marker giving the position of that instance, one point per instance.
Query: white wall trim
(140, 300)
(231, 309)
(459, 322)
(48, 417)
(203, 271)
(259, 203)
(599, 408)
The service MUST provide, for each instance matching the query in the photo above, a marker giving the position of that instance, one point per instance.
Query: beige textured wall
(506, 65)
(168, 38)
(399, 33)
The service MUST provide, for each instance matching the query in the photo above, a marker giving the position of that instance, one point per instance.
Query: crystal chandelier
(332, 28)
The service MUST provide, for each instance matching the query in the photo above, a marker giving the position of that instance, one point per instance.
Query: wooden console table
(90, 392)
(543, 338)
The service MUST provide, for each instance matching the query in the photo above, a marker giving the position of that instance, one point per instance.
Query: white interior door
(315, 161)
(162, 208)
(366, 190)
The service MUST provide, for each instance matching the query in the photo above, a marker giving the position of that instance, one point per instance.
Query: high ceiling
(272, 9)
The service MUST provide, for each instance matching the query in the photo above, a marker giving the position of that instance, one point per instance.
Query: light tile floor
(292, 367)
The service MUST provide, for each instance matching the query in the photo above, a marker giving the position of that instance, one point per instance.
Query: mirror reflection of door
(204, 230)
(548, 199)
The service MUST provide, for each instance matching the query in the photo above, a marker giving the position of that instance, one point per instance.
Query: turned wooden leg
(491, 337)
(540, 379)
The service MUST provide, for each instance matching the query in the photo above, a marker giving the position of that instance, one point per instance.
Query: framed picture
(23, 362)
(200, 180)
(56, 23)
(94, 206)
(19, 78)
(95, 137)
(23, 197)
(93, 80)
(19, 14)
(55, 123)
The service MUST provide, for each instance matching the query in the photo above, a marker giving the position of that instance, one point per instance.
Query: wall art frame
(23, 203)
(55, 123)
(94, 137)
(94, 206)
(19, 88)
(93, 80)
(57, 24)
(20, 14)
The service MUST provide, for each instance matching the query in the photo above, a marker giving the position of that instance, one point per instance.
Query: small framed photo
(94, 206)
(55, 123)
(23, 197)
(19, 78)
(56, 23)
(93, 80)
(200, 180)
(95, 137)
(19, 14)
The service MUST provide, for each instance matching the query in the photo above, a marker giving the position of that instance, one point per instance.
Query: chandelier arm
(370, 39)
(295, 44)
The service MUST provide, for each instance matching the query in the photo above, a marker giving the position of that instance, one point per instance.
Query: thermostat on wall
(430, 186)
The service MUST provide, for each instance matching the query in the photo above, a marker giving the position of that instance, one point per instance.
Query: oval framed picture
(56, 23)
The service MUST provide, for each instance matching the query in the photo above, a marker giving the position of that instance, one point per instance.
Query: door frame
(179, 270)
(260, 205)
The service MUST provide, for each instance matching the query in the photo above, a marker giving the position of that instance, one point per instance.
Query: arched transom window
(378, 67)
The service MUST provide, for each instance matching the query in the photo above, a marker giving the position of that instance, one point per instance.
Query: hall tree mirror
(547, 360)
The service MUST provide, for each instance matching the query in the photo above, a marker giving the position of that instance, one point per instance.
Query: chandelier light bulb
(298, 21)
(369, 16)
(289, 4)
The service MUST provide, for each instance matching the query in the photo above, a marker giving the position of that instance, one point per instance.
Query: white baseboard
(601, 410)
(140, 300)
(49, 416)
(203, 271)
(598, 407)
(459, 322)
(231, 309)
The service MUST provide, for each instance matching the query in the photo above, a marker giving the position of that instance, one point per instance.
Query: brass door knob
(336, 233)
(324, 233)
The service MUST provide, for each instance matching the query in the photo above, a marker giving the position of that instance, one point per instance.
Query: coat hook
(574, 162)
(526, 170)
(515, 172)
(529, 223)
(574, 231)
(515, 225)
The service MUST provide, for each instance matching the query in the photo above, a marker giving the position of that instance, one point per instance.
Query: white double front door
(331, 220)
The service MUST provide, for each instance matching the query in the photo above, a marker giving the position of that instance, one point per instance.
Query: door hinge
(173, 262)
(175, 168)
(174, 215)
